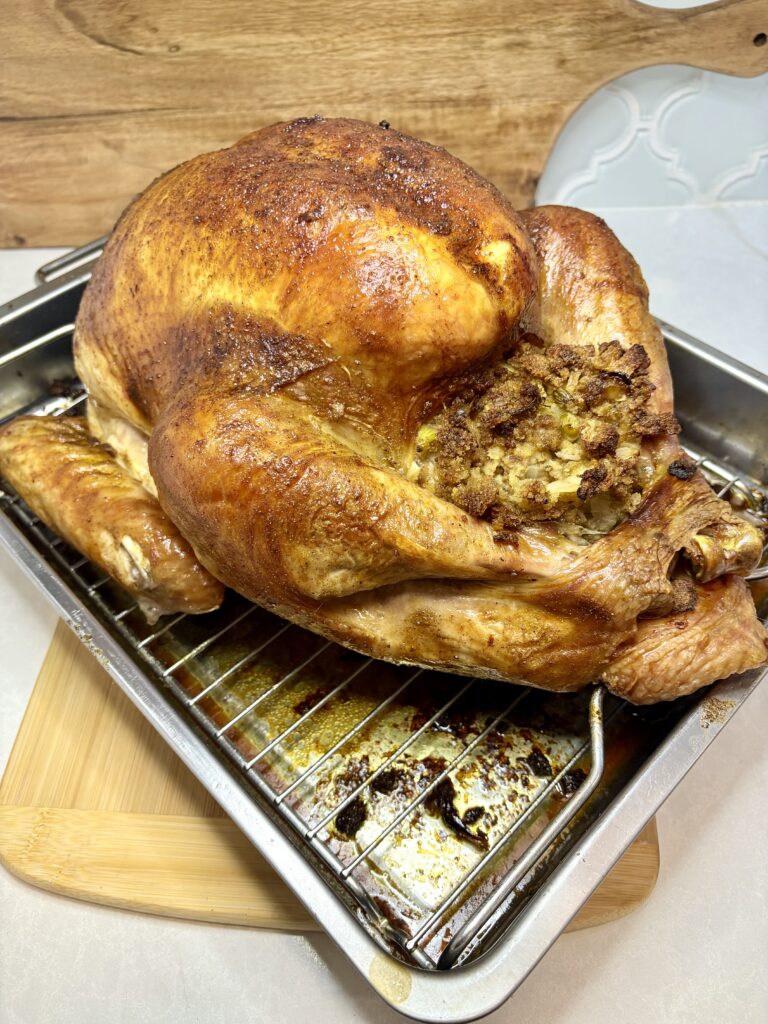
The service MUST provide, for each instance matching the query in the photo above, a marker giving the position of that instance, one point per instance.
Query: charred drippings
(351, 818)
(570, 782)
(473, 814)
(538, 762)
(458, 722)
(431, 766)
(441, 802)
(388, 782)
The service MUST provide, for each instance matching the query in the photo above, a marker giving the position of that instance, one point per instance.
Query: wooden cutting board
(98, 97)
(94, 805)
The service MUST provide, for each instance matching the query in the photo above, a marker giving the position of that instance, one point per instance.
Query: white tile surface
(663, 136)
(707, 270)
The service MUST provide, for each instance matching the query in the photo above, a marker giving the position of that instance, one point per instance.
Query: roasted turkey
(347, 380)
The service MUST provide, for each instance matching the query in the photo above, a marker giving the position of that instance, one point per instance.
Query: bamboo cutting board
(97, 98)
(94, 805)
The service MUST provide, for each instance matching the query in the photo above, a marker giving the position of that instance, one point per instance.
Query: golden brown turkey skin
(579, 624)
(281, 317)
(75, 486)
(716, 639)
(357, 261)
(591, 291)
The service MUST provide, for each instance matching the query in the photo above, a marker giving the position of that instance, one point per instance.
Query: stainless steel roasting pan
(443, 831)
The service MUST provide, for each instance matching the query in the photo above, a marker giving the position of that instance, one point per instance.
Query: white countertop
(696, 952)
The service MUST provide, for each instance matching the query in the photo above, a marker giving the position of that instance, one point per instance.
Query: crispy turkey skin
(383, 404)
(77, 488)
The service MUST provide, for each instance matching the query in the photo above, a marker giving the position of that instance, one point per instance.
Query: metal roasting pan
(444, 907)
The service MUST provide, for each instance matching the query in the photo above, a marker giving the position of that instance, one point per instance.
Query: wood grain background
(97, 97)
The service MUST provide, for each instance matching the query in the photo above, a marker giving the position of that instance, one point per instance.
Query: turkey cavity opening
(546, 434)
